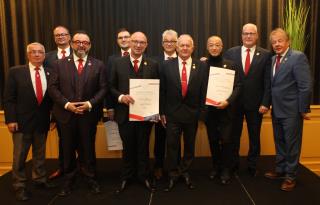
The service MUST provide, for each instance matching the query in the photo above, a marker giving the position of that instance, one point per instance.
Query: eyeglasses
(248, 34)
(139, 42)
(123, 37)
(35, 52)
(85, 43)
(61, 35)
(169, 42)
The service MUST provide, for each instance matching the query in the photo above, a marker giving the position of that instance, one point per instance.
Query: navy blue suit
(291, 87)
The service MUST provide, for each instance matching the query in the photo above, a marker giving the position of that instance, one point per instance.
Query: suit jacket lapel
(239, 57)
(88, 68)
(255, 59)
(71, 70)
(176, 73)
(281, 65)
(193, 69)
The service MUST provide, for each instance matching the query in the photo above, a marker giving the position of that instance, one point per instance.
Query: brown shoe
(58, 173)
(158, 173)
(288, 185)
(274, 175)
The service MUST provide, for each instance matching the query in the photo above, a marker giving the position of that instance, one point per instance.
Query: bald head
(138, 44)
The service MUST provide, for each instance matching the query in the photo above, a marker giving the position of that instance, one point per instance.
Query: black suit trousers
(79, 134)
(174, 132)
(254, 120)
(135, 154)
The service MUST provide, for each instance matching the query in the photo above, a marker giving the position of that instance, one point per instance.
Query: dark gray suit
(255, 92)
(291, 88)
(182, 113)
(21, 106)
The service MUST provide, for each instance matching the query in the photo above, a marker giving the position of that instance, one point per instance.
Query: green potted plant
(295, 21)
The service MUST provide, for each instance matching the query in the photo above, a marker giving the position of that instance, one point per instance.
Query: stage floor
(243, 189)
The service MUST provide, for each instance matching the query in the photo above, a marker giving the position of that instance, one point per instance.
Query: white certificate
(220, 85)
(145, 93)
(114, 141)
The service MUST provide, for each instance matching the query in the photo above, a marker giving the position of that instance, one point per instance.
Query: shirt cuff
(66, 105)
(120, 97)
(90, 106)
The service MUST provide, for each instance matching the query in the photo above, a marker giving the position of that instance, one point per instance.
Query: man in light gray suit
(291, 87)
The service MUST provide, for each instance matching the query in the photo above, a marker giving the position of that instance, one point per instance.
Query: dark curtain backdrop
(25, 21)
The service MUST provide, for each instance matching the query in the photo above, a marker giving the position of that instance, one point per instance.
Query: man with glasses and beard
(77, 87)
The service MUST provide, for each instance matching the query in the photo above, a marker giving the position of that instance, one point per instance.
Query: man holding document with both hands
(129, 74)
(222, 93)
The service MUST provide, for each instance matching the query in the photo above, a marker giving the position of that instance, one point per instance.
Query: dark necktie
(169, 58)
(80, 66)
(63, 54)
(277, 62)
(39, 93)
(126, 53)
(184, 84)
(135, 65)
(247, 64)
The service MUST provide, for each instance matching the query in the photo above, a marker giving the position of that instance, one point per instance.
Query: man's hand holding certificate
(220, 86)
(145, 93)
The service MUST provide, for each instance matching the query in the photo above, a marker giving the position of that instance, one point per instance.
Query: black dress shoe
(188, 182)
(149, 186)
(22, 194)
(65, 191)
(252, 171)
(45, 185)
(122, 187)
(170, 185)
(94, 187)
(225, 177)
(213, 174)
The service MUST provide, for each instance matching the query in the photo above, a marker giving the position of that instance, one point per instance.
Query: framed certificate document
(220, 85)
(145, 93)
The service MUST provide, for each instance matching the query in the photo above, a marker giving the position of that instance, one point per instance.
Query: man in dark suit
(220, 115)
(134, 135)
(291, 88)
(254, 100)
(123, 41)
(27, 114)
(169, 44)
(183, 90)
(77, 87)
(62, 39)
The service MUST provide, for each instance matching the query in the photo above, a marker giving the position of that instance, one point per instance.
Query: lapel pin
(257, 53)
(193, 66)
(48, 73)
(89, 64)
(224, 65)
(69, 59)
(285, 59)
(145, 63)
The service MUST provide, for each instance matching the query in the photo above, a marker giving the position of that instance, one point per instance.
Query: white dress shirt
(244, 55)
(188, 67)
(42, 77)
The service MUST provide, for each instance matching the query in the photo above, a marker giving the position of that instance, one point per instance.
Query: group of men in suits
(78, 83)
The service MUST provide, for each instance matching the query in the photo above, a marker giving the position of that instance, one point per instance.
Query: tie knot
(279, 56)
(248, 49)
(184, 63)
(135, 61)
(63, 51)
(36, 68)
(125, 53)
(169, 58)
(80, 60)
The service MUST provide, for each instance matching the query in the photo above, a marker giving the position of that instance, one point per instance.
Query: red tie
(247, 65)
(278, 62)
(135, 65)
(125, 53)
(184, 84)
(63, 54)
(38, 86)
(80, 66)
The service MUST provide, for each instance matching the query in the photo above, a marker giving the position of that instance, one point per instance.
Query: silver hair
(33, 44)
(250, 24)
(169, 32)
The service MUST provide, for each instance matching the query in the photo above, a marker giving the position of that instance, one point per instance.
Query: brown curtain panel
(26, 21)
